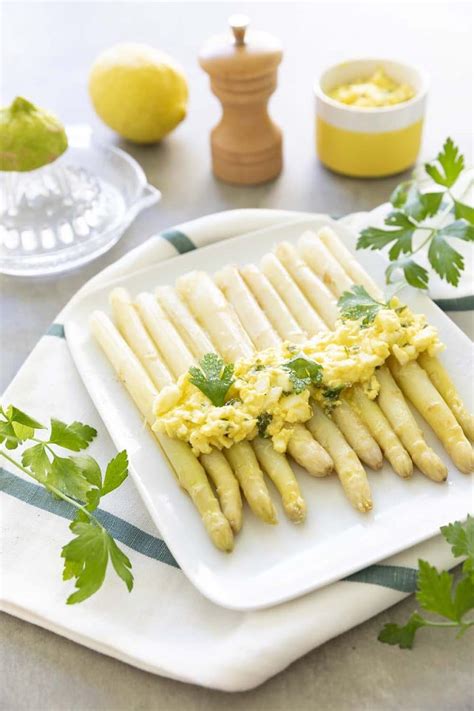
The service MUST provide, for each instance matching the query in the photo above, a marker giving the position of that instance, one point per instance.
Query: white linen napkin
(165, 625)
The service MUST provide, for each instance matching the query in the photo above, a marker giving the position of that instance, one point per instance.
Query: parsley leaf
(13, 414)
(8, 435)
(461, 539)
(464, 597)
(303, 373)
(68, 477)
(415, 204)
(74, 437)
(213, 378)
(404, 635)
(357, 304)
(375, 238)
(445, 260)
(451, 162)
(263, 421)
(435, 591)
(116, 472)
(89, 469)
(37, 460)
(86, 558)
(459, 229)
(414, 273)
(464, 212)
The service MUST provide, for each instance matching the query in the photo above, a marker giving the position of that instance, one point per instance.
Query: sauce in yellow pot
(375, 91)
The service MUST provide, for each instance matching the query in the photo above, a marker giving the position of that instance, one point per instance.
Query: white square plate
(271, 564)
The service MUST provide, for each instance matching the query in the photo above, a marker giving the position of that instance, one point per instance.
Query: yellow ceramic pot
(369, 142)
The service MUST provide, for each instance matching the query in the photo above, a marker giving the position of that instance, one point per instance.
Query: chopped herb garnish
(333, 393)
(263, 421)
(303, 372)
(213, 378)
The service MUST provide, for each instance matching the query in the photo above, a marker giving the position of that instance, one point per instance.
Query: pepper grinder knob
(246, 145)
(238, 25)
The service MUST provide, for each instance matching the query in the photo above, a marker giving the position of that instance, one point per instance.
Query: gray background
(47, 49)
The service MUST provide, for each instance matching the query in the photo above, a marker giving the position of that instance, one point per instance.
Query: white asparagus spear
(368, 411)
(302, 446)
(315, 254)
(189, 472)
(348, 467)
(220, 473)
(272, 305)
(446, 388)
(380, 427)
(291, 295)
(350, 471)
(350, 265)
(241, 458)
(254, 321)
(417, 386)
(215, 464)
(318, 295)
(283, 477)
(220, 322)
(131, 328)
(181, 318)
(350, 424)
(176, 355)
(431, 364)
(397, 412)
(246, 468)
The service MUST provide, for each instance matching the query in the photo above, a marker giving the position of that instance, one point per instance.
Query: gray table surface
(47, 49)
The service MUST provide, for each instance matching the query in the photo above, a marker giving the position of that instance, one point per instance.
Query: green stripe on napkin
(388, 576)
(463, 303)
(56, 329)
(179, 240)
(123, 531)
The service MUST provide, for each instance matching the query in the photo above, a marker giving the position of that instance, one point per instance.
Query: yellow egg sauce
(265, 399)
(372, 92)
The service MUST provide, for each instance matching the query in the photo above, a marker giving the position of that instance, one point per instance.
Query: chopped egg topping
(269, 394)
(377, 90)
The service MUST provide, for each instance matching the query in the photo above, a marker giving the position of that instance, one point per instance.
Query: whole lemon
(138, 91)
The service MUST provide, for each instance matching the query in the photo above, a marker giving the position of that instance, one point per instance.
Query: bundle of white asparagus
(292, 295)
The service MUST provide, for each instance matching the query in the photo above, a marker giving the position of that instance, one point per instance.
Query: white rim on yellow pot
(369, 142)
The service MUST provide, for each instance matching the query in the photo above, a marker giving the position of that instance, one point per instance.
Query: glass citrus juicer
(63, 199)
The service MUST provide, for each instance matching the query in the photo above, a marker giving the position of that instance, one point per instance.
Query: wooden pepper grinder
(246, 145)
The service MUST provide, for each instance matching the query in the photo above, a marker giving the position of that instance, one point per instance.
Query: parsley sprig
(303, 373)
(77, 480)
(425, 214)
(213, 378)
(438, 593)
(357, 304)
